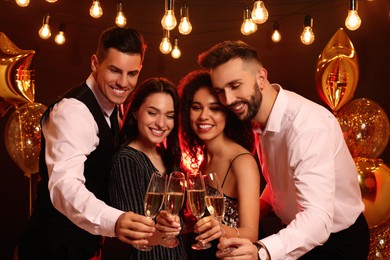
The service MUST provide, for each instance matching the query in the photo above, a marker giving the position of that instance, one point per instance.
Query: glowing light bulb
(185, 26)
(45, 32)
(22, 3)
(60, 37)
(259, 12)
(96, 10)
(120, 19)
(51, 1)
(168, 21)
(353, 20)
(165, 45)
(176, 53)
(248, 26)
(307, 36)
(276, 36)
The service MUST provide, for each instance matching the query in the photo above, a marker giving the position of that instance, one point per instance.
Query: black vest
(96, 170)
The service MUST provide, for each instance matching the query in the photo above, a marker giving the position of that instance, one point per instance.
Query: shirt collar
(276, 115)
(104, 103)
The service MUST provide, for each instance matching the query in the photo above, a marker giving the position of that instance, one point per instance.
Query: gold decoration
(16, 83)
(374, 181)
(337, 72)
(380, 242)
(365, 126)
(22, 136)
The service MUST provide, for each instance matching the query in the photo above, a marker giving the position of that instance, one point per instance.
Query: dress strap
(230, 166)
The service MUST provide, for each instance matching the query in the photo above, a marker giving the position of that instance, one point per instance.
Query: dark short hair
(126, 40)
(239, 131)
(129, 130)
(225, 51)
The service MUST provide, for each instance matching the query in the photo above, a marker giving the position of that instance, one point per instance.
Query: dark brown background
(289, 62)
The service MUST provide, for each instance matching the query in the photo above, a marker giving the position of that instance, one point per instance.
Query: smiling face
(207, 115)
(155, 118)
(117, 74)
(237, 86)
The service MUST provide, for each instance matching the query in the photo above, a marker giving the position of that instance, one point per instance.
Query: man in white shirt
(71, 213)
(312, 182)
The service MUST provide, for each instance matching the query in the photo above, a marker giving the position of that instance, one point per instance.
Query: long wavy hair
(170, 148)
(237, 130)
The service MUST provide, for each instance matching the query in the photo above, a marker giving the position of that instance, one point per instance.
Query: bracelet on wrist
(238, 232)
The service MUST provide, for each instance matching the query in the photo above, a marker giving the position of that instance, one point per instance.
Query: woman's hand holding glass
(153, 200)
(174, 198)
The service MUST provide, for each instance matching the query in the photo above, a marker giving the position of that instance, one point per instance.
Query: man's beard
(253, 105)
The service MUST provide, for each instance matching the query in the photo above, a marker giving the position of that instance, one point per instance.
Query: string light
(22, 3)
(60, 37)
(51, 1)
(120, 19)
(259, 12)
(276, 36)
(307, 36)
(45, 32)
(185, 26)
(353, 20)
(168, 21)
(96, 10)
(165, 45)
(176, 53)
(248, 26)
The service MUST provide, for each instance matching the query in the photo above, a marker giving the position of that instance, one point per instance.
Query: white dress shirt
(312, 182)
(71, 134)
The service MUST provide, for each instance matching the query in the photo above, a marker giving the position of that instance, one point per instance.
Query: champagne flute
(153, 200)
(196, 200)
(174, 198)
(215, 200)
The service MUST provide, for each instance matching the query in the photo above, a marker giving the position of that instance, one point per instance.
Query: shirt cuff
(275, 247)
(109, 219)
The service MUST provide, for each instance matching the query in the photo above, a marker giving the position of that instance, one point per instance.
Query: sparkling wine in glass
(174, 198)
(153, 199)
(215, 200)
(196, 200)
(214, 196)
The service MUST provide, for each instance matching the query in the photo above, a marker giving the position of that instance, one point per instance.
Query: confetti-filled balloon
(365, 126)
(374, 180)
(380, 242)
(22, 136)
(16, 78)
(337, 72)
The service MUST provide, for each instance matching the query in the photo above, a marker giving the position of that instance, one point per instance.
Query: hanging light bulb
(185, 26)
(45, 32)
(22, 3)
(120, 19)
(168, 21)
(96, 10)
(276, 36)
(307, 36)
(259, 12)
(165, 45)
(353, 20)
(60, 37)
(51, 1)
(176, 53)
(248, 26)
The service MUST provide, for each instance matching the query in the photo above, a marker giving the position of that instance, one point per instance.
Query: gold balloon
(365, 126)
(337, 72)
(16, 83)
(374, 180)
(22, 136)
(380, 241)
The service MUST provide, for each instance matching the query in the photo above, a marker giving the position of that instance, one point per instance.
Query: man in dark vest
(78, 140)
